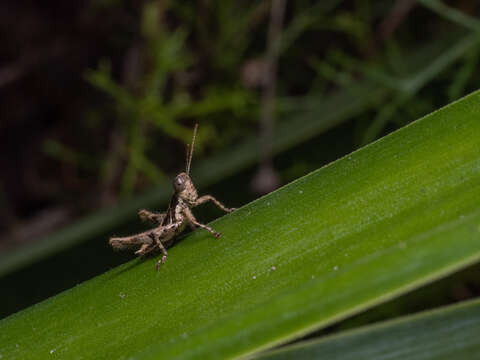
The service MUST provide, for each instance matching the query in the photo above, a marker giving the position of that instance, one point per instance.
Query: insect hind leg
(127, 242)
(144, 249)
(156, 218)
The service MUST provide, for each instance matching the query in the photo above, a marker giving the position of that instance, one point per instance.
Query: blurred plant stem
(267, 179)
(398, 13)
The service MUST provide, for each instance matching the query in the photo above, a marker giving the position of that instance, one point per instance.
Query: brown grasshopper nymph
(174, 220)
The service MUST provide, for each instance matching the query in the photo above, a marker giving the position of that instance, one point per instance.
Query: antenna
(190, 154)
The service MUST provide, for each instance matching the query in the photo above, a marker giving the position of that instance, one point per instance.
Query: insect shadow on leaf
(174, 220)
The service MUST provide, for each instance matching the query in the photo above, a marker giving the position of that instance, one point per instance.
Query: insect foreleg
(162, 235)
(206, 198)
(158, 241)
(194, 221)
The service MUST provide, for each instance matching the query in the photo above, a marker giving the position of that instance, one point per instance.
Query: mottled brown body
(173, 221)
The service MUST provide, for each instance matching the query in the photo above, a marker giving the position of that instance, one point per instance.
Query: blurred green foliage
(188, 62)
(159, 99)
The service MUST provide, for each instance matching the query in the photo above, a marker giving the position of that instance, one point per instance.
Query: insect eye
(179, 183)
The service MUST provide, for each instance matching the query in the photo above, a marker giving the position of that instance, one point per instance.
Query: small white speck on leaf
(300, 191)
(274, 268)
(122, 295)
(268, 203)
(52, 351)
(335, 268)
(16, 345)
(254, 277)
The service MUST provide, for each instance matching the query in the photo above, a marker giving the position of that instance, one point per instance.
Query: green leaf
(384, 220)
(440, 334)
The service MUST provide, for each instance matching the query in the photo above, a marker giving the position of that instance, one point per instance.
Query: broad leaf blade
(441, 334)
(390, 217)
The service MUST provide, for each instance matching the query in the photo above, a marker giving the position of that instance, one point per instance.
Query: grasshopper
(174, 220)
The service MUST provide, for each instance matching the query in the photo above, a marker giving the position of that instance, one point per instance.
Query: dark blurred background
(99, 99)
